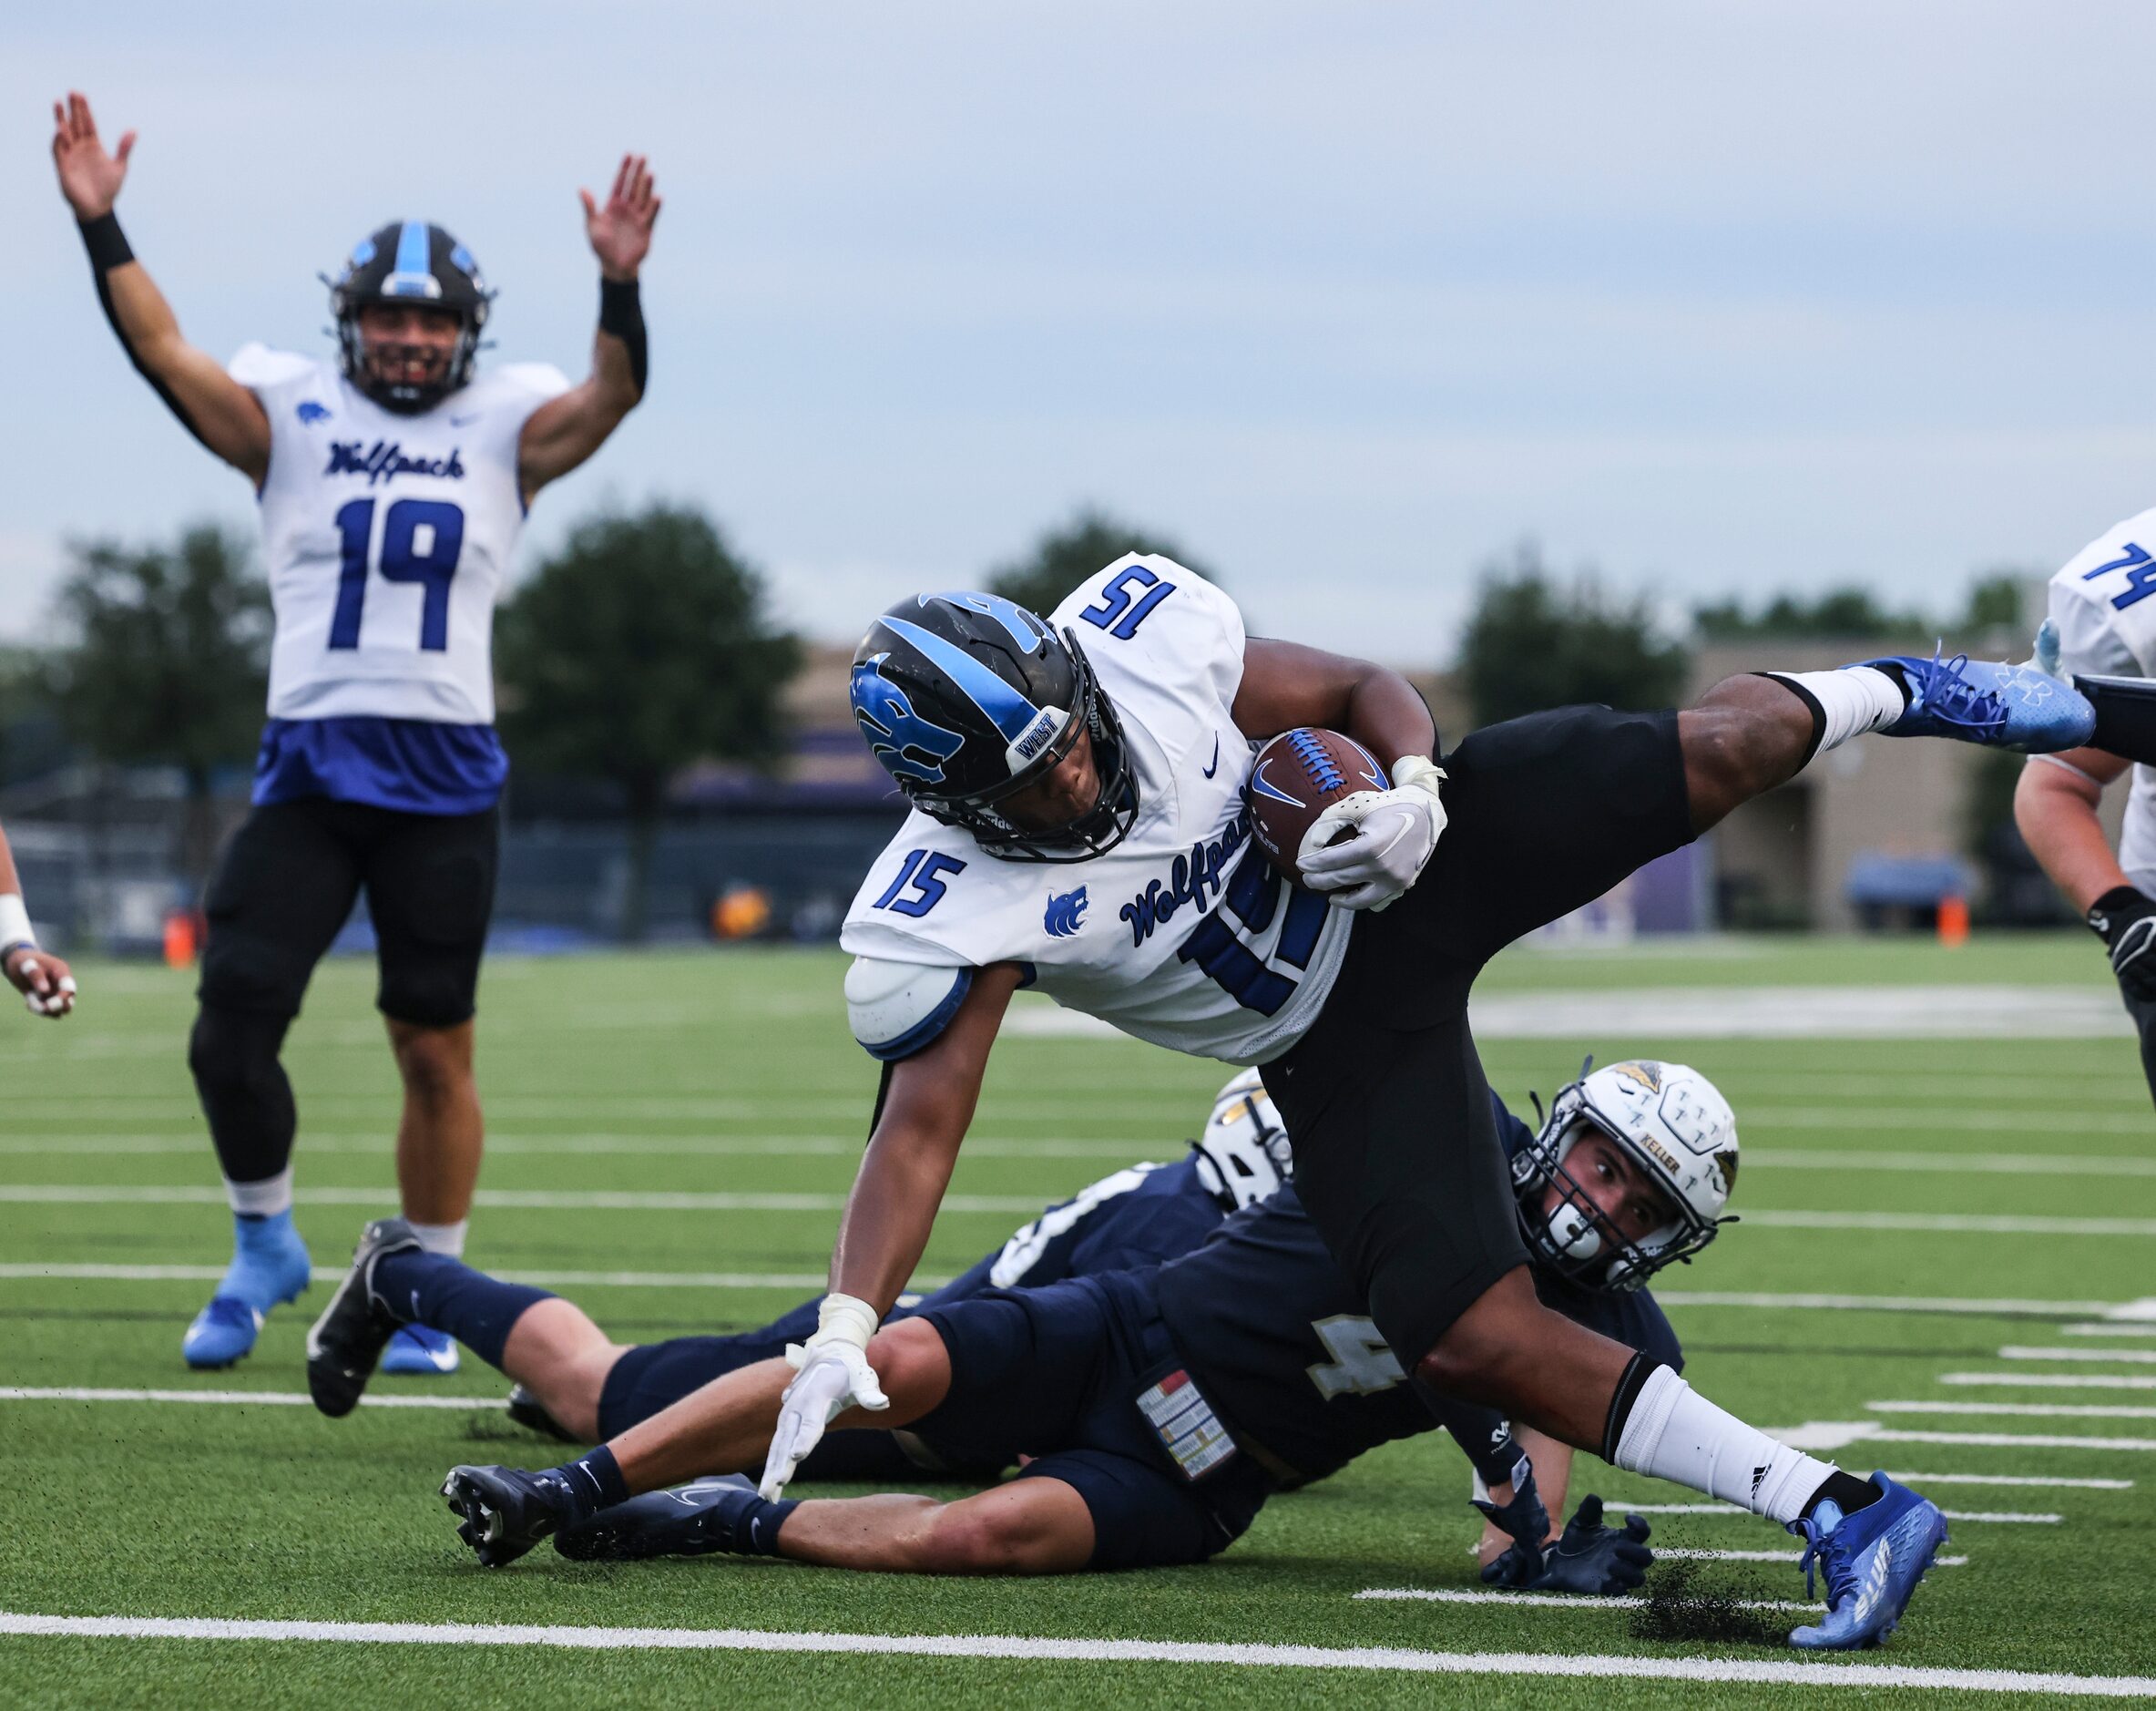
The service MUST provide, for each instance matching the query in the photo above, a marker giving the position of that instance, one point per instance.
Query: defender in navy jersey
(392, 482)
(575, 1382)
(1160, 1408)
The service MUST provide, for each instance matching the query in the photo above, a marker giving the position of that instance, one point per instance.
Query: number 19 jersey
(1184, 934)
(387, 538)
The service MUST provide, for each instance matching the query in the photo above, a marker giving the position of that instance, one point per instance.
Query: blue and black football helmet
(409, 262)
(966, 698)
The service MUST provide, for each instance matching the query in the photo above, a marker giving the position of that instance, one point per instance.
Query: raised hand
(620, 232)
(89, 178)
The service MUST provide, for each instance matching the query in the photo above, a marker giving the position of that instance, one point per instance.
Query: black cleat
(501, 1512)
(693, 1520)
(347, 1340)
(526, 1409)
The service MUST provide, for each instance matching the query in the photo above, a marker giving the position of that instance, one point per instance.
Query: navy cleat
(421, 1351)
(501, 1512)
(526, 1409)
(2023, 707)
(693, 1520)
(348, 1339)
(1872, 1560)
(268, 1266)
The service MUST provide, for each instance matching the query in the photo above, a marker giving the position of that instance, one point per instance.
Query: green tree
(1534, 642)
(1066, 556)
(1995, 601)
(165, 662)
(1851, 613)
(642, 645)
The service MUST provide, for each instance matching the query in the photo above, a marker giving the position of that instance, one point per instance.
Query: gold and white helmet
(1242, 1156)
(1670, 1120)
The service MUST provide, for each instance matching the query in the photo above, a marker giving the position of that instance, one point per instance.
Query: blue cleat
(420, 1349)
(1872, 1560)
(268, 1266)
(693, 1520)
(2024, 707)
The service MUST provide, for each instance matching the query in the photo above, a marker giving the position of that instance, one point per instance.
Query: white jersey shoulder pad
(1178, 623)
(898, 1008)
(259, 368)
(540, 380)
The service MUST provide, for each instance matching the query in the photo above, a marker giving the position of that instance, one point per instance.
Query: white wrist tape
(15, 921)
(1419, 770)
(844, 1319)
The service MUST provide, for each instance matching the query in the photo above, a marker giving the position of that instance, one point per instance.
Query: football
(1294, 778)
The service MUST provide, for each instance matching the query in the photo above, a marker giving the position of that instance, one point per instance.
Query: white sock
(1849, 702)
(1674, 1433)
(264, 1199)
(443, 1238)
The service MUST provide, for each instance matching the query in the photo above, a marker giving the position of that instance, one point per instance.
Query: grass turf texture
(734, 1074)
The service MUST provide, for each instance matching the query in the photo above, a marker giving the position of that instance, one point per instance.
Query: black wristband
(621, 313)
(107, 244)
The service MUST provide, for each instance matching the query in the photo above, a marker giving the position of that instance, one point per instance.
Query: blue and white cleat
(2024, 707)
(1872, 1560)
(420, 1349)
(270, 1266)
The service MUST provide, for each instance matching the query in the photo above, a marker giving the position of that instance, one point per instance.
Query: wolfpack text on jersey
(1181, 934)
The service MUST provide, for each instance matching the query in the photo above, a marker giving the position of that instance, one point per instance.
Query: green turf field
(731, 1074)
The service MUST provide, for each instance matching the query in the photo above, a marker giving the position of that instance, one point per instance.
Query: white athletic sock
(1674, 1433)
(264, 1199)
(443, 1238)
(1849, 702)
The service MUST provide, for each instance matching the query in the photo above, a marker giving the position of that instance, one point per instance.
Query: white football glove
(832, 1374)
(1395, 832)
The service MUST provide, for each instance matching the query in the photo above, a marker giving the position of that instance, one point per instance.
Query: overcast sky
(1347, 297)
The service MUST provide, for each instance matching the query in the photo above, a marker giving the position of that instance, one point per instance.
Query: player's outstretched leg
(722, 1513)
(2027, 707)
(1872, 1559)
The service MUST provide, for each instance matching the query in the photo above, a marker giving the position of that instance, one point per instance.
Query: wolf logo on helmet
(1674, 1125)
(1014, 697)
(907, 745)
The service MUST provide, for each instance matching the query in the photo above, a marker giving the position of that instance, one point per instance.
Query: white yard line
(815, 1280)
(1839, 1434)
(1688, 1553)
(1988, 1307)
(2056, 1380)
(1984, 1223)
(516, 1199)
(2142, 1312)
(2107, 1331)
(1613, 1505)
(1028, 1648)
(256, 1399)
(2026, 1410)
(2110, 1357)
(612, 1144)
(1945, 1163)
(2012, 1478)
(1586, 1602)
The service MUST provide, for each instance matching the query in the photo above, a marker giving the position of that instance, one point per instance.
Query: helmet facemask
(406, 262)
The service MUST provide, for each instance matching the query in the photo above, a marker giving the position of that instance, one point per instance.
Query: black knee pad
(243, 1090)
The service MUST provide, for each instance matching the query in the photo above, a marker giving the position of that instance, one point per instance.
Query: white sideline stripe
(1957, 1163)
(1612, 1505)
(616, 1200)
(2107, 1331)
(2010, 1479)
(1549, 1601)
(260, 1399)
(816, 1280)
(2142, 1311)
(2027, 1410)
(519, 1199)
(1990, 1307)
(2056, 1380)
(1690, 1553)
(2110, 1357)
(1839, 1434)
(1025, 1648)
(626, 1145)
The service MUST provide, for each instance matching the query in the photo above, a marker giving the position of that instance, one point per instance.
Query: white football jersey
(2103, 601)
(387, 538)
(1182, 934)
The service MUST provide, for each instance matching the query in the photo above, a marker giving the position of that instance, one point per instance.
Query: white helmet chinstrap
(1242, 1156)
(1670, 1122)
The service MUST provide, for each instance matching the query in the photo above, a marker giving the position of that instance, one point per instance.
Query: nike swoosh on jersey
(1215, 767)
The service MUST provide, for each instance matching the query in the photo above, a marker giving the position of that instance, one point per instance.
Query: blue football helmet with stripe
(408, 260)
(966, 698)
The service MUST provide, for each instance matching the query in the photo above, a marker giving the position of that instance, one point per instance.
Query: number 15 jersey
(1184, 934)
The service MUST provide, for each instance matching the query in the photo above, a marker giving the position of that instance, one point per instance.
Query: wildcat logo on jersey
(385, 460)
(1193, 878)
(1063, 917)
(905, 741)
(310, 411)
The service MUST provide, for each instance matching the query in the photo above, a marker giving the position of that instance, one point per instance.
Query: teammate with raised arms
(393, 480)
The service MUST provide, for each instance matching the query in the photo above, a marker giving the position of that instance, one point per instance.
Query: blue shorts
(1057, 1374)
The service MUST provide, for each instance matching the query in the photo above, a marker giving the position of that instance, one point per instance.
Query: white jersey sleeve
(2103, 601)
